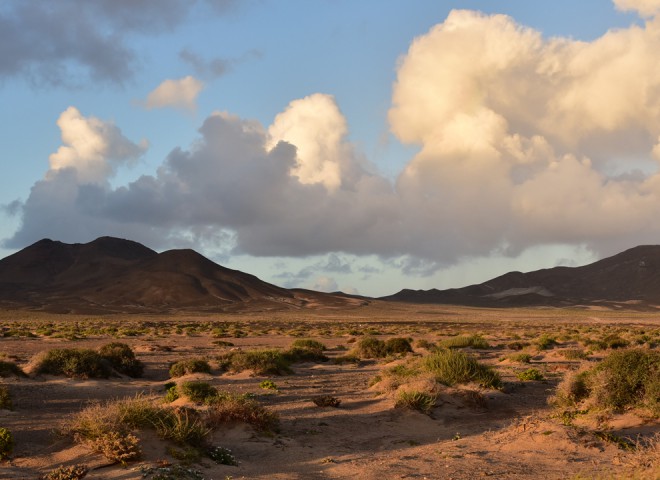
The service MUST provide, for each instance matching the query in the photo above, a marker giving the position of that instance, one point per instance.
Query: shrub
(415, 400)
(463, 341)
(122, 359)
(5, 398)
(397, 345)
(171, 394)
(573, 354)
(186, 367)
(349, 358)
(370, 347)
(6, 443)
(8, 369)
(261, 362)
(530, 374)
(299, 354)
(222, 456)
(182, 425)
(227, 408)
(625, 378)
(520, 357)
(118, 446)
(422, 343)
(197, 391)
(326, 401)
(545, 342)
(72, 362)
(309, 344)
(451, 367)
(268, 385)
(72, 472)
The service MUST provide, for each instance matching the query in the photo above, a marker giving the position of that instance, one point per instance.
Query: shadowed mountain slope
(115, 275)
(631, 278)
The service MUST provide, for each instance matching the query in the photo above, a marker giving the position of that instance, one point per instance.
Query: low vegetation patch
(5, 398)
(372, 347)
(624, 379)
(122, 358)
(197, 391)
(10, 369)
(72, 362)
(415, 400)
(464, 341)
(530, 374)
(520, 357)
(229, 407)
(326, 401)
(261, 362)
(186, 367)
(6, 443)
(70, 472)
(452, 367)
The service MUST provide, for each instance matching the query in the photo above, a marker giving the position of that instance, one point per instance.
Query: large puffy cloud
(521, 137)
(180, 93)
(92, 148)
(72, 41)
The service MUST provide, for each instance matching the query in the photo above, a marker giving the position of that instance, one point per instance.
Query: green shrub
(520, 357)
(186, 367)
(5, 398)
(530, 374)
(72, 362)
(222, 456)
(261, 362)
(197, 391)
(122, 359)
(415, 400)
(464, 341)
(573, 354)
(309, 344)
(268, 385)
(626, 378)
(422, 343)
(370, 347)
(344, 359)
(228, 408)
(8, 369)
(397, 345)
(183, 426)
(6, 443)
(298, 354)
(545, 342)
(451, 367)
(71, 472)
(171, 394)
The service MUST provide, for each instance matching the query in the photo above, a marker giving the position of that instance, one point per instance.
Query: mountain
(115, 275)
(630, 279)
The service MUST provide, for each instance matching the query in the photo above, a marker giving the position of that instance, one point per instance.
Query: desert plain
(367, 428)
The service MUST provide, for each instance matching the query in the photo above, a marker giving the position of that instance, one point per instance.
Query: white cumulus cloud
(92, 147)
(181, 93)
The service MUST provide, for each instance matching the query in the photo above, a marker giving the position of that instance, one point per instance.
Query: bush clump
(415, 400)
(452, 367)
(520, 357)
(122, 358)
(227, 408)
(186, 367)
(261, 362)
(6, 443)
(5, 398)
(72, 362)
(197, 391)
(464, 341)
(624, 379)
(372, 347)
(326, 401)
(71, 472)
(530, 374)
(9, 369)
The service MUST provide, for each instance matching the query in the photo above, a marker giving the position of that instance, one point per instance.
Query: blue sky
(419, 148)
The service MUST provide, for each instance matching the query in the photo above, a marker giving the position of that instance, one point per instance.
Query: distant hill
(115, 275)
(630, 279)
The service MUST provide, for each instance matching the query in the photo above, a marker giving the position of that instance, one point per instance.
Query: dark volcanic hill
(631, 278)
(115, 275)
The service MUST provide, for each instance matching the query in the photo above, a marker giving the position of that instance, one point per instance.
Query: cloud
(181, 93)
(72, 42)
(325, 284)
(92, 148)
(646, 8)
(215, 67)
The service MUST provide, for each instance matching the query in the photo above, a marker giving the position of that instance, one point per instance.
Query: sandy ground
(512, 434)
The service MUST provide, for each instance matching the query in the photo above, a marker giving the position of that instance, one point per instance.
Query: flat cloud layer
(523, 141)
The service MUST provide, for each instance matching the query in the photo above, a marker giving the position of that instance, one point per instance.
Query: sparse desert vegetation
(364, 394)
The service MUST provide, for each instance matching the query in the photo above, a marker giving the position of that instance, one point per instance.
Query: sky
(363, 146)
